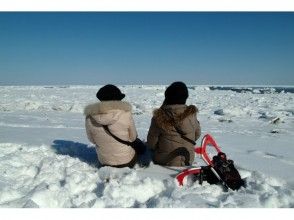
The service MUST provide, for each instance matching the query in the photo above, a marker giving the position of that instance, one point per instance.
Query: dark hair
(109, 92)
(176, 93)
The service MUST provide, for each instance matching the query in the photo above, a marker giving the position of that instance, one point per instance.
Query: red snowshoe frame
(207, 140)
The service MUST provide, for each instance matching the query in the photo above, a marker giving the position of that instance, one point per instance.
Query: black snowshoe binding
(226, 171)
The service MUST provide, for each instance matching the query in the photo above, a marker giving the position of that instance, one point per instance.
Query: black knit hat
(109, 92)
(176, 93)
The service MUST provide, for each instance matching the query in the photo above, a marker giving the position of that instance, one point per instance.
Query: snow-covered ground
(47, 161)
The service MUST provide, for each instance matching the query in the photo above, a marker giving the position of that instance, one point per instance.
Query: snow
(47, 161)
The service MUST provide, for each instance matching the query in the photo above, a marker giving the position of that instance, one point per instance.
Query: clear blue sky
(146, 48)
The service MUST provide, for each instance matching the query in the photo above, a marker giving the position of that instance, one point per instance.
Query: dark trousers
(130, 164)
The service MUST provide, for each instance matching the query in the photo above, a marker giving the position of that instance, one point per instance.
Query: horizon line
(117, 84)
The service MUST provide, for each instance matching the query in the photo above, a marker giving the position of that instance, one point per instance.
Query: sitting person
(117, 116)
(174, 127)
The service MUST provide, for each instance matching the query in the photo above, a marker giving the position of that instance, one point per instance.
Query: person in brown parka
(171, 120)
(117, 115)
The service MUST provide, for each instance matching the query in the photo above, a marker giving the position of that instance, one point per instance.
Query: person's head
(176, 93)
(109, 93)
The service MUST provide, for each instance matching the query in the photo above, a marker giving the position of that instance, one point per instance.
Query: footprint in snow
(270, 156)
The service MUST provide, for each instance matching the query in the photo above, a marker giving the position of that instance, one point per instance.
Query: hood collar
(105, 106)
(179, 112)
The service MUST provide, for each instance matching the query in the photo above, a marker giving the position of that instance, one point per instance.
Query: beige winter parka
(118, 116)
(163, 137)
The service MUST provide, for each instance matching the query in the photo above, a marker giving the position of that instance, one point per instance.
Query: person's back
(172, 117)
(115, 114)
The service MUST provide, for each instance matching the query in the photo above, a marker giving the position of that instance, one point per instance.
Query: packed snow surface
(47, 161)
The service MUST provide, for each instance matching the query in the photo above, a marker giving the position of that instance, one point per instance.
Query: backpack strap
(115, 137)
(182, 134)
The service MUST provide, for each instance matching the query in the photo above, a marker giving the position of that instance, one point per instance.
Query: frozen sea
(47, 161)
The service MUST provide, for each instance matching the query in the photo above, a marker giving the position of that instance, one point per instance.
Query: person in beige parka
(117, 115)
(171, 120)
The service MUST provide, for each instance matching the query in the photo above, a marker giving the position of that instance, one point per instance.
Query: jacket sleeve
(153, 135)
(132, 128)
(89, 135)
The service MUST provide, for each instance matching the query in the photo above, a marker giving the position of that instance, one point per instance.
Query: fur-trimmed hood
(107, 112)
(106, 106)
(179, 112)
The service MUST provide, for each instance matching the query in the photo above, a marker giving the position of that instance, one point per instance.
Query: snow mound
(41, 176)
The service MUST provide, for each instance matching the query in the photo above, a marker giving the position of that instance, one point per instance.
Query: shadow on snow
(77, 150)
